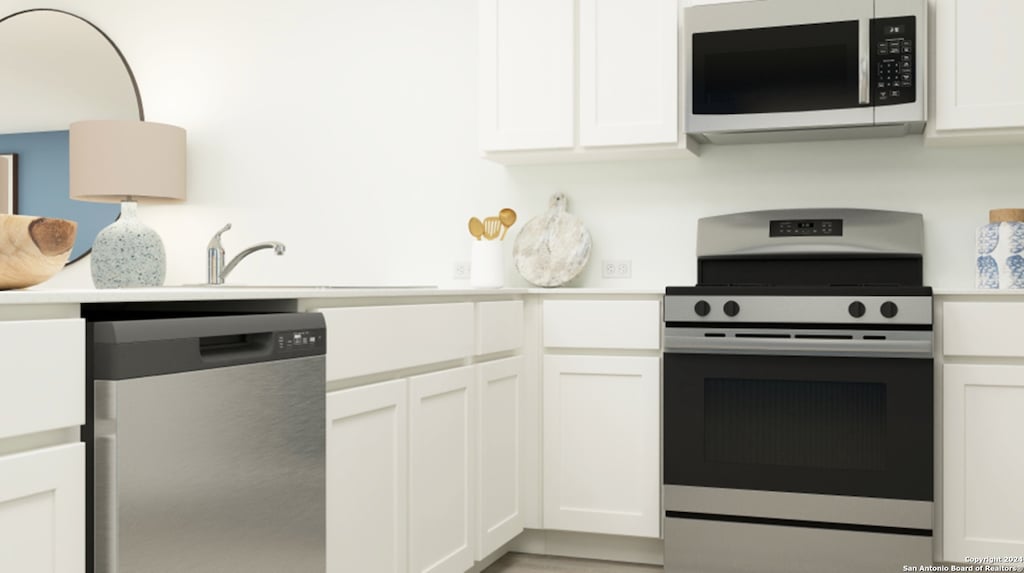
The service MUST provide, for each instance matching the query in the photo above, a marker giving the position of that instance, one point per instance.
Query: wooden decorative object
(33, 249)
(1006, 215)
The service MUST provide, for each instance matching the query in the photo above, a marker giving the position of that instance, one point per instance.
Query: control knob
(732, 308)
(889, 309)
(702, 308)
(857, 309)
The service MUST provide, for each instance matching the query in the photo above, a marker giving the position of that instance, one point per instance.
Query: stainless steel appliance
(805, 69)
(798, 396)
(207, 438)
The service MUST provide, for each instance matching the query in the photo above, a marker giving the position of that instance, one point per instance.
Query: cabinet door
(978, 83)
(982, 465)
(42, 510)
(367, 452)
(628, 72)
(440, 471)
(601, 444)
(499, 453)
(526, 74)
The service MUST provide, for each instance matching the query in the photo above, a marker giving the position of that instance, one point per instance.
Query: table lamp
(114, 160)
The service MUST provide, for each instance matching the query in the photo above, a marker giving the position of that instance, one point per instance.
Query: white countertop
(977, 292)
(192, 293)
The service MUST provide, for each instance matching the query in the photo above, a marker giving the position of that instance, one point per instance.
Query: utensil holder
(487, 265)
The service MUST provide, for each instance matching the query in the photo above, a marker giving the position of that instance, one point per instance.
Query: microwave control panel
(893, 73)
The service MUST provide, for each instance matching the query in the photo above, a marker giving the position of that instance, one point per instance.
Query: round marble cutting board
(552, 248)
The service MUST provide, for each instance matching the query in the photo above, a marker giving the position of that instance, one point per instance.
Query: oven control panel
(806, 228)
(847, 310)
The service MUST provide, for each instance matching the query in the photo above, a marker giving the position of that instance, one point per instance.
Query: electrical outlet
(460, 270)
(621, 269)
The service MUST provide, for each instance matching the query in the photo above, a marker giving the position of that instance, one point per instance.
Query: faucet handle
(215, 241)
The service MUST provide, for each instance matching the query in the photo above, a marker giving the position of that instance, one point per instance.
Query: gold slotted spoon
(492, 226)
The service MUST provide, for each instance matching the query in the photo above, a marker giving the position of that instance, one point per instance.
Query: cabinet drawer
(42, 386)
(367, 340)
(630, 324)
(982, 329)
(499, 326)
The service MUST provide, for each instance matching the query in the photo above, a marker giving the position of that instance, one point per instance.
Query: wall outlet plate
(460, 270)
(618, 269)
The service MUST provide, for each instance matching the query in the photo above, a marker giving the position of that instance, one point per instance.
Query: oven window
(853, 426)
(813, 424)
(781, 69)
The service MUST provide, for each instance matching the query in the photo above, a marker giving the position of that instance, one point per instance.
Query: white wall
(347, 130)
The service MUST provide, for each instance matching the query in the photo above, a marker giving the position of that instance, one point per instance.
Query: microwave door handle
(864, 48)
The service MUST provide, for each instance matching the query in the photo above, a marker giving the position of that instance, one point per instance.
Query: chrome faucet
(216, 270)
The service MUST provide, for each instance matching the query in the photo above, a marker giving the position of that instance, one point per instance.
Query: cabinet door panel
(367, 452)
(977, 47)
(42, 510)
(526, 74)
(628, 72)
(499, 453)
(982, 433)
(601, 444)
(440, 471)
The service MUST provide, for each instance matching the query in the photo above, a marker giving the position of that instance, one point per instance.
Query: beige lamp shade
(114, 159)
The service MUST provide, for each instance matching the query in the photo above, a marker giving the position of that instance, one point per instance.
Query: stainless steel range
(798, 396)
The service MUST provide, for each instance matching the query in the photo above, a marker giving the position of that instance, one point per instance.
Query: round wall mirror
(57, 68)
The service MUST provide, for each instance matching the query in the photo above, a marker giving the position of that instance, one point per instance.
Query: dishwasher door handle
(235, 346)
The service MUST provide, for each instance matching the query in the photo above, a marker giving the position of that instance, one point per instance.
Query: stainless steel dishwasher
(207, 435)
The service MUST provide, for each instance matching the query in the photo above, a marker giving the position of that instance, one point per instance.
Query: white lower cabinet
(367, 477)
(982, 435)
(499, 453)
(42, 510)
(601, 444)
(441, 463)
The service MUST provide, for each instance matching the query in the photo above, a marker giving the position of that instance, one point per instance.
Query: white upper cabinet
(526, 74)
(628, 72)
(979, 88)
(580, 80)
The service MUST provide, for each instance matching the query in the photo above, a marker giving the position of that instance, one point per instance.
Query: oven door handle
(688, 344)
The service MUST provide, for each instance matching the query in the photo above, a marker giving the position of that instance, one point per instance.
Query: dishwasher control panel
(300, 342)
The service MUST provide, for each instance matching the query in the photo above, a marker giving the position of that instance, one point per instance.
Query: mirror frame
(124, 62)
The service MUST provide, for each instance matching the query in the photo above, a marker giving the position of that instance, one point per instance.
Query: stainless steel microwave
(805, 69)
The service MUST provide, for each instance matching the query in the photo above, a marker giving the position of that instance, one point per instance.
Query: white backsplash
(347, 130)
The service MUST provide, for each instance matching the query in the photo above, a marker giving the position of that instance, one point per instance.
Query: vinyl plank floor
(523, 563)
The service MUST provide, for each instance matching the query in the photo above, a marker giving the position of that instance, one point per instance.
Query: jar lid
(1005, 215)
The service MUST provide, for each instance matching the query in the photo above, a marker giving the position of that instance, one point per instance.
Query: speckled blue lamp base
(128, 253)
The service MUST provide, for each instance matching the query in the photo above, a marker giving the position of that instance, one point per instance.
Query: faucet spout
(216, 270)
(278, 250)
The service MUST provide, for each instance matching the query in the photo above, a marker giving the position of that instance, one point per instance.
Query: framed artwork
(8, 183)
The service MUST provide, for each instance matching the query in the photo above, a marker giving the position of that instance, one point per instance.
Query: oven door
(844, 425)
(779, 64)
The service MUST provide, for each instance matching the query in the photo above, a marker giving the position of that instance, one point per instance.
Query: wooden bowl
(33, 249)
